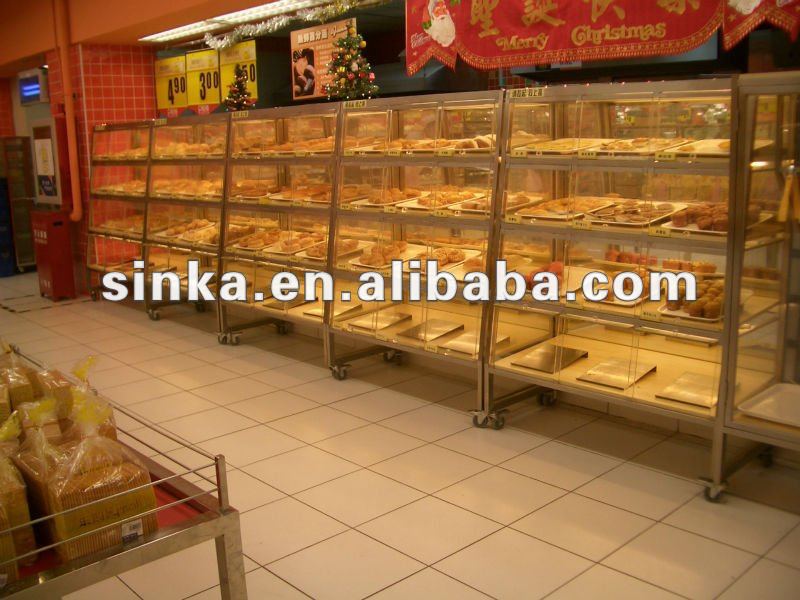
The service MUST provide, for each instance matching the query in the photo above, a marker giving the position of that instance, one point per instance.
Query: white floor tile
(325, 391)
(490, 445)
(679, 456)
(369, 445)
(787, 551)
(108, 588)
(359, 497)
(118, 342)
(255, 363)
(229, 391)
(146, 440)
(246, 492)
(500, 495)
(429, 529)
(70, 353)
(429, 423)
(509, 564)
(429, 584)
(583, 526)
(219, 353)
(139, 354)
(681, 562)
(315, 425)
(107, 378)
(139, 391)
(430, 468)
(602, 582)
(300, 469)
(550, 422)
(642, 491)
(292, 374)
(561, 465)
(260, 584)
(766, 580)
(378, 404)
(283, 527)
(432, 388)
(198, 377)
(613, 439)
(347, 566)
(741, 523)
(250, 445)
(171, 407)
(272, 406)
(208, 424)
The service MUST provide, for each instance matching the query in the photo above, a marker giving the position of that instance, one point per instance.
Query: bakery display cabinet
(763, 366)
(124, 142)
(417, 178)
(607, 179)
(277, 209)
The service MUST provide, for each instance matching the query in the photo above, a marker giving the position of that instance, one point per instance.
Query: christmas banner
(487, 34)
(312, 49)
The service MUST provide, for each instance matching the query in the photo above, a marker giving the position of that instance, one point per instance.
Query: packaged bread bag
(42, 415)
(95, 475)
(83, 398)
(13, 497)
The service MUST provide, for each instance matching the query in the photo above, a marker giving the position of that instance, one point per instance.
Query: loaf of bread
(14, 502)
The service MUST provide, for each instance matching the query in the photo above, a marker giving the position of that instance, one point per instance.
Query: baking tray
(780, 403)
(383, 319)
(447, 266)
(303, 253)
(338, 311)
(431, 329)
(180, 235)
(286, 305)
(274, 249)
(663, 145)
(367, 203)
(691, 388)
(594, 219)
(693, 228)
(551, 146)
(468, 342)
(410, 251)
(549, 358)
(415, 205)
(616, 373)
(744, 296)
(565, 216)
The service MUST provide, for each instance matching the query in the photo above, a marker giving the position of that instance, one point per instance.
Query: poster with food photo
(311, 51)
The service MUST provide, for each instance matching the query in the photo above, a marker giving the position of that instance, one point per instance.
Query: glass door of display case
(763, 383)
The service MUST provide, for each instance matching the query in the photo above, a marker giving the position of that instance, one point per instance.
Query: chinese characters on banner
(488, 34)
(311, 51)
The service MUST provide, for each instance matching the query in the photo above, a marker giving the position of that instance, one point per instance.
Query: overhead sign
(202, 81)
(244, 54)
(171, 95)
(488, 34)
(312, 49)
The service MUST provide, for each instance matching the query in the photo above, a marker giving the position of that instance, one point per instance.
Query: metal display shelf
(187, 515)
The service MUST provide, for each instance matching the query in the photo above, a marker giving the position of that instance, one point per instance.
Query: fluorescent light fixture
(226, 21)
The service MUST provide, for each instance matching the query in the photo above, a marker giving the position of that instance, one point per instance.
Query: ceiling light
(228, 20)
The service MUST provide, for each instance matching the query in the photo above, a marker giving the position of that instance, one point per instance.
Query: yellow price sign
(244, 55)
(202, 79)
(170, 75)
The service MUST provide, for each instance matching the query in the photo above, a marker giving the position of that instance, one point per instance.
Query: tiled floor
(378, 486)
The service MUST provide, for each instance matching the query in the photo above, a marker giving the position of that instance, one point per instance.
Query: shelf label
(519, 153)
(393, 152)
(100, 127)
(659, 231)
(445, 152)
(513, 219)
(456, 213)
(349, 152)
(587, 154)
(346, 207)
(581, 224)
(440, 212)
(531, 92)
(300, 153)
(355, 104)
(240, 114)
(651, 315)
(665, 156)
(297, 203)
(159, 122)
(390, 209)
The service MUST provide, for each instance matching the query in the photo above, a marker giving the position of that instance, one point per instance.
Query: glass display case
(254, 183)
(191, 227)
(190, 182)
(121, 142)
(190, 138)
(119, 180)
(106, 254)
(763, 377)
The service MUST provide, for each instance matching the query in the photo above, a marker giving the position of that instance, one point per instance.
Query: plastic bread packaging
(5, 402)
(41, 415)
(20, 372)
(83, 399)
(20, 389)
(8, 572)
(53, 383)
(88, 476)
(13, 496)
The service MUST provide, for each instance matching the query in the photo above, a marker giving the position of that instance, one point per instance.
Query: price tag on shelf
(445, 152)
(297, 203)
(159, 122)
(651, 315)
(390, 209)
(587, 154)
(581, 224)
(659, 231)
(665, 156)
(100, 127)
(300, 153)
(240, 114)
(381, 336)
(513, 219)
(531, 92)
(355, 104)
(519, 153)
(430, 347)
(393, 152)
(456, 213)
(346, 206)
(349, 152)
(440, 212)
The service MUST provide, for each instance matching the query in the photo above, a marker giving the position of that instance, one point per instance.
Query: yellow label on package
(170, 75)
(202, 78)
(244, 55)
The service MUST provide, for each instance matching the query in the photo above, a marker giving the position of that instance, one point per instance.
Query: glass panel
(534, 194)
(200, 140)
(117, 217)
(196, 182)
(366, 131)
(253, 138)
(309, 133)
(530, 124)
(253, 183)
(183, 225)
(468, 129)
(414, 129)
(107, 254)
(121, 144)
(308, 184)
(119, 181)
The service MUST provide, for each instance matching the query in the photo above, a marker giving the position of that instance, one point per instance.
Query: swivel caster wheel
(282, 328)
(547, 398)
(713, 493)
(498, 422)
(234, 339)
(153, 314)
(94, 295)
(222, 338)
(389, 355)
(200, 307)
(481, 422)
(339, 373)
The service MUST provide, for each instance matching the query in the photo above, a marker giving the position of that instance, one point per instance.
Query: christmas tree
(238, 94)
(351, 74)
